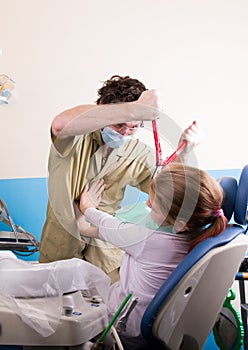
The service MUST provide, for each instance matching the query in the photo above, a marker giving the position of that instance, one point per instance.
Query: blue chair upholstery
(240, 210)
(229, 185)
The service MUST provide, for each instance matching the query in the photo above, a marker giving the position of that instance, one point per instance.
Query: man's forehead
(132, 124)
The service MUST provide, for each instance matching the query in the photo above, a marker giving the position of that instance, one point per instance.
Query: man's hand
(149, 98)
(150, 101)
(91, 195)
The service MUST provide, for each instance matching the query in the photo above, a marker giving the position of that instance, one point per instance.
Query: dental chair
(185, 309)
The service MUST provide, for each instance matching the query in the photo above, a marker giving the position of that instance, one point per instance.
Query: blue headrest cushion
(229, 186)
(240, 210)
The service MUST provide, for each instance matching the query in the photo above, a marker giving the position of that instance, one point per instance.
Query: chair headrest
(240, 210)
(229, 186)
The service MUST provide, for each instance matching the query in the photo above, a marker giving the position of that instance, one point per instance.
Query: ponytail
(219, 224)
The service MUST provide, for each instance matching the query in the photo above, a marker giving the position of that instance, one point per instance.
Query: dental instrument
(159, 157)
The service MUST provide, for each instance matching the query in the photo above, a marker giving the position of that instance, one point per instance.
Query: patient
(185, 203)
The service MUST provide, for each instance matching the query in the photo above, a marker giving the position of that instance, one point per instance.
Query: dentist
(92, 142)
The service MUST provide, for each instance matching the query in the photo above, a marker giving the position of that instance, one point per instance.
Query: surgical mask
(113, 139)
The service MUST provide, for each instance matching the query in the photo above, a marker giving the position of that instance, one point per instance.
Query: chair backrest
(184, 310)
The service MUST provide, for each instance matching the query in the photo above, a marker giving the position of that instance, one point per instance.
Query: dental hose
(97, 344)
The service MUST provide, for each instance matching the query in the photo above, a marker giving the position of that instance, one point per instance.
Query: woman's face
(156, 213)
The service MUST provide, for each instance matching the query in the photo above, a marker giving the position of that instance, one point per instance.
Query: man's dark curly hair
(120, 89)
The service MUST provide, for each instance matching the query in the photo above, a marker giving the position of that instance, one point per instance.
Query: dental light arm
(18, 239)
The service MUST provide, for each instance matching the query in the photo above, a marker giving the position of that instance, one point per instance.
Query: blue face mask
(113, 139)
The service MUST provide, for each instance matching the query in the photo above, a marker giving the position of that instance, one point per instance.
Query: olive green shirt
(79, 162)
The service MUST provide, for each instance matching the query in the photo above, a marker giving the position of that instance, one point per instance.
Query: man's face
(126, 129)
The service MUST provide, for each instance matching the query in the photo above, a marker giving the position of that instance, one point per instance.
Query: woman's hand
(91, 195)
(192, 135)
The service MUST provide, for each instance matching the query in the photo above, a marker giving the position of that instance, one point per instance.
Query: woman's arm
(105, 226)
(90, 198)
(85, 228)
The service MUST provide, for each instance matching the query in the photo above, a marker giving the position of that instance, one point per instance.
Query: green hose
(102, 337)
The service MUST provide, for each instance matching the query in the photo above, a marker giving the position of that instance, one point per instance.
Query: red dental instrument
(159, 158)
(175, 154)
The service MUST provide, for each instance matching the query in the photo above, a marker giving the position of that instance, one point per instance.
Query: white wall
(194, 52)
